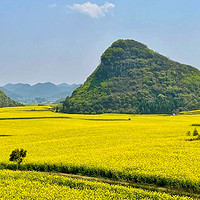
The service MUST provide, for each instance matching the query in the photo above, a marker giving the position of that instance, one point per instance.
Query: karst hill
(131, 78)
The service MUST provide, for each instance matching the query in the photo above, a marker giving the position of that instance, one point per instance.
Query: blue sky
(62, 40)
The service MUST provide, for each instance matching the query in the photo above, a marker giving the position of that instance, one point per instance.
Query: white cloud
(53, 5)
(93, 10)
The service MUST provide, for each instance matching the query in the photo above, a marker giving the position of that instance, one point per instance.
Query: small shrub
(195, 132)
(188, 133)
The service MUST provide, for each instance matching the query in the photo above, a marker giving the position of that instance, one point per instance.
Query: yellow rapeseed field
(32, 185)
(147, 148)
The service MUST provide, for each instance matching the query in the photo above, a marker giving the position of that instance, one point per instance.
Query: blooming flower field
(32, 185)
(146, 149)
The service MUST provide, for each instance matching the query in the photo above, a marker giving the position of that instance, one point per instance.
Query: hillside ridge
(5, 101)
(132, 78)
(39, 93)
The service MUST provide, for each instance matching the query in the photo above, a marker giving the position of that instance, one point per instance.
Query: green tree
(18, 156)
(195, 132)
(188, 133)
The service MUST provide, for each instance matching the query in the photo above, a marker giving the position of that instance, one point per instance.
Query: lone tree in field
(195, 132)
(18, 156)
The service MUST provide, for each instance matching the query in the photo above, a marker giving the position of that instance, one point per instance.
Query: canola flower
(147, 148)
(32, 185)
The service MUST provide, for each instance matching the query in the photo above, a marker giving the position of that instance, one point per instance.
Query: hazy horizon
(41, 83)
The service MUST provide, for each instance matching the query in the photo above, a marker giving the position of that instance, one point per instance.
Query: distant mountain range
(38, 93)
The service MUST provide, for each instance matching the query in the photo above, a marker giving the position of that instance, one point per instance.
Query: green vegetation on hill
(134, 79)
(6, 101)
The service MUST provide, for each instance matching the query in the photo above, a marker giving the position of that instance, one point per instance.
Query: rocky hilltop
(132, 78)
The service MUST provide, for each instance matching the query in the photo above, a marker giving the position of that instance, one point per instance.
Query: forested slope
(6, 101)
(131, 78)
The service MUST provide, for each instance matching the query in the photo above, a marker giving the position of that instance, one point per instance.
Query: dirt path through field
(149, 187)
